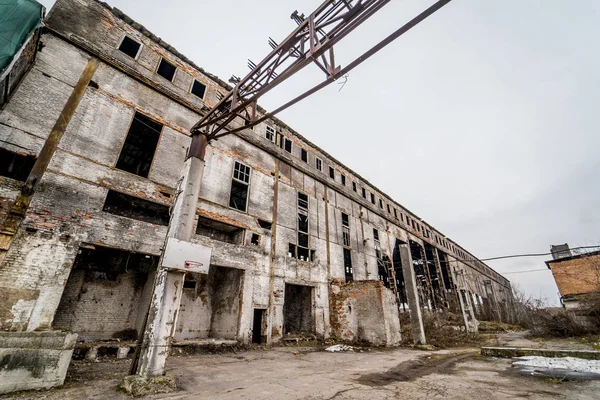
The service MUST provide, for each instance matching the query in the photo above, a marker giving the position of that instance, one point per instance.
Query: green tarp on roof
(18, 19)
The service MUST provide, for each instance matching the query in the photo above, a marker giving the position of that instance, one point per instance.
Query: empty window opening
(376, 237)
(140, 145)
(198, 89)
(297, 309)
(354, 186)
(380, 203)
(238, 197)
(304, 155)
(259, 326)
(14, 165)
(372, 198)
(303, 252)
(389, 210)
(128, 206)
(348, 271)
(284, 142)
(190, 282)
(130, 47)
(331, 173)
(364, 193)
(395, 213)
(399, 276)
(319, 164)
(265, 224)
(343, 179)
(255, 240)
(345, 230)
(270, 133)
(107, 294)
(220, 231)
(166, 69)
(436, 285)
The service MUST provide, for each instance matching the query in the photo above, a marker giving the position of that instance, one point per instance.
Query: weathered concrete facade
(84, 256)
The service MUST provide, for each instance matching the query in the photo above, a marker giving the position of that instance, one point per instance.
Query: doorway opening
(297, 309)
(259, 328)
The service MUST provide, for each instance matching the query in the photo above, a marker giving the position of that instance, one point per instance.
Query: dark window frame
(123, 44)
(146, 135)
(240, 181)
(166, 72)
(194, 82)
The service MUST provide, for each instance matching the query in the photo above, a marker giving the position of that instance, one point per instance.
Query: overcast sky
(482, 120)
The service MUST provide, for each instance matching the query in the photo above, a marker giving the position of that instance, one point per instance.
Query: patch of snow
(563, 363)
(339, 347)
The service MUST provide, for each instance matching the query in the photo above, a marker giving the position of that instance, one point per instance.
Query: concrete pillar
(412, 294)
(168, 285)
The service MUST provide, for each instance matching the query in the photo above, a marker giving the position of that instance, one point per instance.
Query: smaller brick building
(575, 274)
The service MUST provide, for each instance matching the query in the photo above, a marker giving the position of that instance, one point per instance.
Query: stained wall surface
(66, 212)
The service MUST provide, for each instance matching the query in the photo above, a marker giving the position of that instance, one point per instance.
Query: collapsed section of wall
(363, 311)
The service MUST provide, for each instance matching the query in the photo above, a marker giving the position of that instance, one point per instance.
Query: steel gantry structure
(312, 42)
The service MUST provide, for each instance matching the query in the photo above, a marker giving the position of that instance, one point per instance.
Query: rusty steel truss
(312, 42)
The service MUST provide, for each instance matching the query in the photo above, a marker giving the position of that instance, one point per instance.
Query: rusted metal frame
(315, 51)
(396, 34)
(332, 11)
(335, 39)
(438, 268)
(427, 275)
(290, 68)
(390, 38)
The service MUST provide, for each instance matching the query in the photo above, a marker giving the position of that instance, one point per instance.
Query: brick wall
(576, 275)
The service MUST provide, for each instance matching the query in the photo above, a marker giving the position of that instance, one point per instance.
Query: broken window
(372, 198)
(133, 207)
(270, 133)
(343, 179)
(265, 224)
(140, 145)
(284, 142)
(376, 236)
(304, 155)
(255, 240)
(166, 69)
(14, 165)
(354, 186)
(220, 231)
(348, 271)
(319, 164)
(303, 252)
(331, 173)
(238, 197)
(345, 229)
(198, 89)
(130, 47)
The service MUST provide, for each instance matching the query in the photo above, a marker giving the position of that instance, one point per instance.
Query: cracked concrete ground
(302, 373)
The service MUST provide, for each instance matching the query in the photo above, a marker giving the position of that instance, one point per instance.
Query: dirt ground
(308, 373)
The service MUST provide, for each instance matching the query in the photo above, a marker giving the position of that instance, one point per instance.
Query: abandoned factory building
(296, 236)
